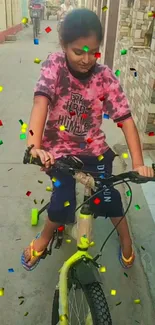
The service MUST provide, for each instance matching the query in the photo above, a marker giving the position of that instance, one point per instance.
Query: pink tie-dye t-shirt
(75, 106)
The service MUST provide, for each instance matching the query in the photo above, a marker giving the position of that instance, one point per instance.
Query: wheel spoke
(78, 307)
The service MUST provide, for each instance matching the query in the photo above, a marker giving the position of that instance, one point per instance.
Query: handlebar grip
(29, 159)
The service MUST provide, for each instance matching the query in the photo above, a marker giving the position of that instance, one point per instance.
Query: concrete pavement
(18, 75)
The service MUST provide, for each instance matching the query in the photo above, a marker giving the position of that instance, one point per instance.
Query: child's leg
(42, 242)
(124, 235)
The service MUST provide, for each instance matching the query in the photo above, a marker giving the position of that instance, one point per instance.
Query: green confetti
(126, 274)
(85, 48)
(1, 142)
(35, 201)
(137, 207)
(21, 122)
(143, 248)
(42, 201)
(20, 297)
(118, 303)
(40, 182)
(26, 314)
(117, 73)
(123, 52)
(21, 302)
(128, 193)
(22, 136)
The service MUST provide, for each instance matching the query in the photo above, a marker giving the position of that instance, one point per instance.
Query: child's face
(80, 60)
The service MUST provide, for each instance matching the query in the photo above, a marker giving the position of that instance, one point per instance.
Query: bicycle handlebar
(70, 165)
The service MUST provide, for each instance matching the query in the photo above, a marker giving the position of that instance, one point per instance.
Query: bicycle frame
(84, 236)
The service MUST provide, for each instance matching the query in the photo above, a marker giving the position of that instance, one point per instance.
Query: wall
(10, 18)
(133, 25)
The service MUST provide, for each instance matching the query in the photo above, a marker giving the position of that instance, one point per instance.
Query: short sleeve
(116, 104)
(47, 81)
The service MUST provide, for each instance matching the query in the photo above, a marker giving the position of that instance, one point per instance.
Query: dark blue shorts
(64, 190)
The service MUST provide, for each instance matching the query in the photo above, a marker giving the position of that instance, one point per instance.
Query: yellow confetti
(66, 204)
(1, 88)
(105, 8)
(37, 60)
(113, 292)
(102, 269)
(24, 20)
(48, 188)
(23, 130)
(35, 253)
(92, 244)
(62, 318)
(24, 125)
(1, 292)
(137, 301)
(54, 179)
(100, 157)
(62, 128)
(150, 14)
(68, 241)
(125, 155)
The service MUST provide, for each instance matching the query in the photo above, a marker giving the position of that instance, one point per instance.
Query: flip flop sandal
(24, 264)
(126, 263)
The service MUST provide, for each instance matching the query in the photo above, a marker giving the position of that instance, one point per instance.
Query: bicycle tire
(97, 303)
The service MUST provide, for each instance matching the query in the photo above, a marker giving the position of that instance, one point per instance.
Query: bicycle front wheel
(87, 306)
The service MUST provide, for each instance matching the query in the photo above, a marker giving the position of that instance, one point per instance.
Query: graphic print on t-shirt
(75, 124)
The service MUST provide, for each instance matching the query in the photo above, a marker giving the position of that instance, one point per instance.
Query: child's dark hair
(80, 23)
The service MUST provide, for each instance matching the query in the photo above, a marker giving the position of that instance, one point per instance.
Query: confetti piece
(21, 302)
(66, 204)
(135, 73)
(54, 179)
(28, 193)
(24, 125)
(106, 116)
(21, 122)
(125, 155)
(117, 73)
(150, 14)
(102, 269)
(143, 248)
(20, 297)
(1, 142)
(24, 20)
(48, 29)
(89, 140)
(137, 321)
(97, 201)
(105, 8)
(118, 303)
(132, 69)
(42, 201)
(68, 241)
(100, 157)
(85, 48)
(57, 183)
(84, 115)
(40, 182)
(26, 314)
(113, 292)
(22, 136)
(137, 301)
(102, 98)
(137, 207)
(11, 270)
(10, 169)
(120, 125)
(82, 145)
(126, 274)
(97, 55)
(123, 52)
(1, 123)
(18, 239)
(62, 128)
(128, 193)
(92, 244)
(35, 201)
(31, 132)
(1, 292)
(36, 60)
(72, 113)
(36, 41)
(102, 176)
(49, 189)
(35, 253)
(23, 130)
(1, 88)
(151, 134)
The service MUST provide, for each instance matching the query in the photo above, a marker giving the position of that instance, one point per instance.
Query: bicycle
(80, 271)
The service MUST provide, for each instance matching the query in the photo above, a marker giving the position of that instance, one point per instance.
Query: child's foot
(39, 246)
(126, 255)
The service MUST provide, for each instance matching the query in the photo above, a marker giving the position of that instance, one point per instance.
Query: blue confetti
(106, 116)
(36, 41)
(11, 270)
(102, 176)
(57, 183)
(135, 73)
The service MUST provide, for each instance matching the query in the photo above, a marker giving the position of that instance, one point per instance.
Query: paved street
(18, 75)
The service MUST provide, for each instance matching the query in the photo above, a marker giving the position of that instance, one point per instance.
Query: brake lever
(135, 177)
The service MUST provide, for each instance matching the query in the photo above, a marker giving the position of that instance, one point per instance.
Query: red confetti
(89, 140)
(97, 55)
(28, 193)
(1, 123)
(48, 29)
(97, 201)
(102, 98)
(31, 132)
(120, 125)
(151, 134)
(72, 113)
(84, 115)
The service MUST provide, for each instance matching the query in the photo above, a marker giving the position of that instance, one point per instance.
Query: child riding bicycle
(71, 96)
